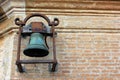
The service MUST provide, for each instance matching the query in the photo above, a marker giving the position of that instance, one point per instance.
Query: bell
(36, 46)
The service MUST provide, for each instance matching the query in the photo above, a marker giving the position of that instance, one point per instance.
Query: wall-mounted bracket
(21, 23)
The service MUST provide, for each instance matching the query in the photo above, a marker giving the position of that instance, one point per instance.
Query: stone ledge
(88, 30)
(63, 8)
(69, 30)
(8, 30)
(80, 5)
(60, 6)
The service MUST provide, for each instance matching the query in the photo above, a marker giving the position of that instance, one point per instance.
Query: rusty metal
(18, 50)
(19, 66)
(54, 46)
(36, 61)
(38, 27)
(54, 67)
(21, 23)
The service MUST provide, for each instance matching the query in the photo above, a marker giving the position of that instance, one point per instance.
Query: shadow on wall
(2, 13)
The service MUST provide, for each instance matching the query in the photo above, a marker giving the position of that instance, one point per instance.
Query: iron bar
(19, 67)
(54, 46)
(35, 61)
(54, 67)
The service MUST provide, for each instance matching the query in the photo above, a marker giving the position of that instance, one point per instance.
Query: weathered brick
(87, 43)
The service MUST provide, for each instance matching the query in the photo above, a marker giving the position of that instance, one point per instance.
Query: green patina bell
(36, 46)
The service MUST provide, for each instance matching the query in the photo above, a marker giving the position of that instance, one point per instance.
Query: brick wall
(85, 51)
(89, 56)
(87, 42)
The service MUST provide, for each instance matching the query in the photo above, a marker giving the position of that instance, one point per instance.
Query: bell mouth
(36, 52)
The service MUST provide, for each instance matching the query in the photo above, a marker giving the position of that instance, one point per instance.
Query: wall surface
(82, 54)
(87, 42)
(6, 50)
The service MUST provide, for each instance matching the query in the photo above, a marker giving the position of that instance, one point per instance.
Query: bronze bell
(36, 46)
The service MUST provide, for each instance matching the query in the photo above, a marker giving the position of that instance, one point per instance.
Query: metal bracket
(21, 23)
(53, 67)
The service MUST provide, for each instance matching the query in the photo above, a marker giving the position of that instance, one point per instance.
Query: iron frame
(21, 23)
